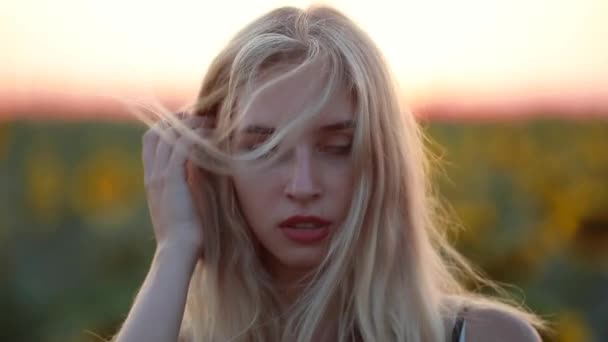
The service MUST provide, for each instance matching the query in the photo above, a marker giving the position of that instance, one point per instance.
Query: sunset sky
(471, 52)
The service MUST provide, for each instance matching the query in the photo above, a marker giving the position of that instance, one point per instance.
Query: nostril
(303, 189)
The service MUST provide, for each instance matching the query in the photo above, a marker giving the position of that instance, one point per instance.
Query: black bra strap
(458, 325)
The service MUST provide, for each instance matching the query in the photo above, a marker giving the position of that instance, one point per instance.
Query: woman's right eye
(254, 146)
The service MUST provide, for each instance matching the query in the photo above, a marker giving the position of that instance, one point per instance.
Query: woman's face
(295, 204)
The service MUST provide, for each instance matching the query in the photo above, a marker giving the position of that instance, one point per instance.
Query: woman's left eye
(336, 149)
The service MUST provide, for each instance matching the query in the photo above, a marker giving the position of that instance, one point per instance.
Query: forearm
(157, 312)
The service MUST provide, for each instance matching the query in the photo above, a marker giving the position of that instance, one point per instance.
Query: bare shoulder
(493, 324)
(185, 335)
(184, 338)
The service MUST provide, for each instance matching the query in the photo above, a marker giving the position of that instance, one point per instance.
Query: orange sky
(472, 52)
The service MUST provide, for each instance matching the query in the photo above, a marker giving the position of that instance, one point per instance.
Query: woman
(292, 203)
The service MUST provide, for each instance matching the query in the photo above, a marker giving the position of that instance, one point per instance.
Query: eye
(337, 149)
(254, 146)
(339, 145)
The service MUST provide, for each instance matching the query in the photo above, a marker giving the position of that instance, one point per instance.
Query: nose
(302, 185)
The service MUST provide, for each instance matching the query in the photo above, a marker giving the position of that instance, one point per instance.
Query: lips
(305, 229)
(304, 222)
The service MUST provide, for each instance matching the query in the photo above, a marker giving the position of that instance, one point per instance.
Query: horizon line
(53, 106)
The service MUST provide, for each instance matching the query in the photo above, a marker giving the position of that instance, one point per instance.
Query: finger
(149, 144)
(182, 150)
(207, 121)
(161, 123)
(169, 120)
(195, 121)
(188, 120)
(163, 149)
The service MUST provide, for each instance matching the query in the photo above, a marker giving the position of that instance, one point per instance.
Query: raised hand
(172, 211)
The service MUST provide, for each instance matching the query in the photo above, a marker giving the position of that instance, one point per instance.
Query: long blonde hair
(390, 273)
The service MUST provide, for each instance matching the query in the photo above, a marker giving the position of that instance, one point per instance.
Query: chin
(302, 258)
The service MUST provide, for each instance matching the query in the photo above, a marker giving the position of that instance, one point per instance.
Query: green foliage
(76, 240)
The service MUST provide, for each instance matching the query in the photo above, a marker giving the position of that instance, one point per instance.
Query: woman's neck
(290, 283)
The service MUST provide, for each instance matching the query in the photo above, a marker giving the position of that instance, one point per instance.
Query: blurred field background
(513, 94)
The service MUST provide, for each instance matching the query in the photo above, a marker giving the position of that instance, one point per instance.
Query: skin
(488, 324)
(314, 177)
(310, 180)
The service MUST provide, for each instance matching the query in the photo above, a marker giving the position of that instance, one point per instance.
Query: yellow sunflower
(106, 188)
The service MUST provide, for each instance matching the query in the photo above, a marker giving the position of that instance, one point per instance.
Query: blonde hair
(390, 273)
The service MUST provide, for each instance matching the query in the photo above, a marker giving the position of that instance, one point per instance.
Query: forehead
(278, 102)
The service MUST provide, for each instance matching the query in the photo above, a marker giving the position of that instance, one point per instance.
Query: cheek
(341, 174)
(253, 191)
(340, 183)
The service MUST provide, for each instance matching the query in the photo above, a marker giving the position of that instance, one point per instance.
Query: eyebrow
(337, 126)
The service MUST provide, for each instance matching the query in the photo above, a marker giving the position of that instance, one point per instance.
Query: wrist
(178, 250)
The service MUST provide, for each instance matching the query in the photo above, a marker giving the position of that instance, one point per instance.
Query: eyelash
(253, 147)
(337, 150)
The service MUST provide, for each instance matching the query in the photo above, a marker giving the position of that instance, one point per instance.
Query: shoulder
(184, 337)
(495, 324)
(185, 334)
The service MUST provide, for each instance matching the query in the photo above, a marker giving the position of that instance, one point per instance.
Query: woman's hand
(172, 210)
